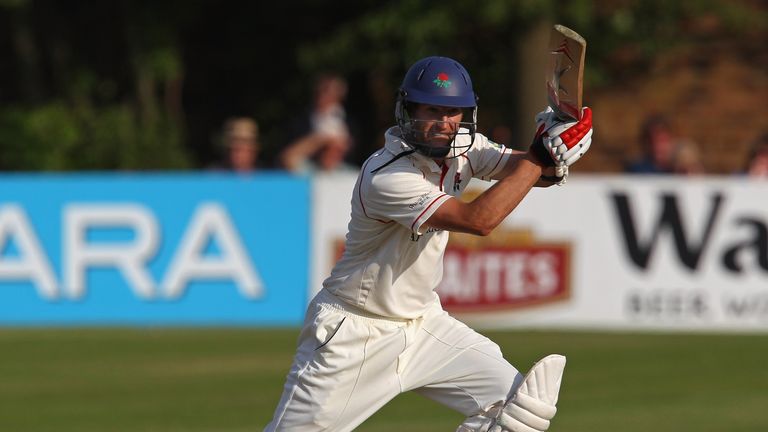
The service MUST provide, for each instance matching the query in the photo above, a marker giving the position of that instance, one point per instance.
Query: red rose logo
(442, 80)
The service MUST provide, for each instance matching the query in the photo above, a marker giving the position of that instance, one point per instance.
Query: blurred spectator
(322, 135)
(756, 165)
(240, 142)
(657, 143)
(686, 159)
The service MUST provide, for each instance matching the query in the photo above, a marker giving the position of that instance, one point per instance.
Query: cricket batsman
(377, 329)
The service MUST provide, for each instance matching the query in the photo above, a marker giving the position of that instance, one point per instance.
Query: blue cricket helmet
(437, 81)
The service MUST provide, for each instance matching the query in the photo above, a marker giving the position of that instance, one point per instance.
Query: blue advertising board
(153, 249)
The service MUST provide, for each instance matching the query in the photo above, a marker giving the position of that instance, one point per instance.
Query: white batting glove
(545, 118)
(567, 142)
(545, 121)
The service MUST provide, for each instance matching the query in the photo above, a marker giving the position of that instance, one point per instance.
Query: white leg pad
(534, 403)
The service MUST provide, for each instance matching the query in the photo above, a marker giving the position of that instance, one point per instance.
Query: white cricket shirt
(390, 267)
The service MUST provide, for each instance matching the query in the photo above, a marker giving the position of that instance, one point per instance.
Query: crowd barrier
(601, 252)
(153, 249)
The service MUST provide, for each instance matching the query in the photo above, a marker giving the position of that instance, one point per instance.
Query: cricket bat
(565, 72)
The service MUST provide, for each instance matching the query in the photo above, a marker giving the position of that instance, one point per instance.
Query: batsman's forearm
(491, 207)
(486, 212)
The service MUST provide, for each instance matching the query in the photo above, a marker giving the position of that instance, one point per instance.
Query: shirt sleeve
(487, 157)
(405, 197)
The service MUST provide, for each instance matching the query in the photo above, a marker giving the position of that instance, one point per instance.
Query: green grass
(230, 380)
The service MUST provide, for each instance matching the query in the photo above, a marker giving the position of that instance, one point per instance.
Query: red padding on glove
(575, 133)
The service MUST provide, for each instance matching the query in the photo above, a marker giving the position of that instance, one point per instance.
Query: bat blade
(565, 72)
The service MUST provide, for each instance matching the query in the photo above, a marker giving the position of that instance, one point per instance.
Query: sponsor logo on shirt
(430, 230)
(420, 201)
(457, 181)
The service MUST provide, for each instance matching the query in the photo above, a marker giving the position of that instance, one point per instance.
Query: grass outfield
(230, 380)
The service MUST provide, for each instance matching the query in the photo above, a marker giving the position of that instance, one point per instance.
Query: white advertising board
(601, 252)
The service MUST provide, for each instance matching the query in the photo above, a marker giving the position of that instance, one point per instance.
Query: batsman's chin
(441, 152)
(440, 141)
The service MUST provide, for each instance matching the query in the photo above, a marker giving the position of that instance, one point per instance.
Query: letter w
(689, 253)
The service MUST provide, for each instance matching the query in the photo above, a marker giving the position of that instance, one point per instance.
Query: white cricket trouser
(350, 363)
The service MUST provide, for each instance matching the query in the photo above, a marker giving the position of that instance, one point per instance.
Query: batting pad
(533, 405)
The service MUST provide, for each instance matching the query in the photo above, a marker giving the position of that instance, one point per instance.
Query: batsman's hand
(567, 142)
(552, 175)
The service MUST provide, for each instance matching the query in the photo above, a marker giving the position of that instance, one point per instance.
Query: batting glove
(545, 120)
(567, 142)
